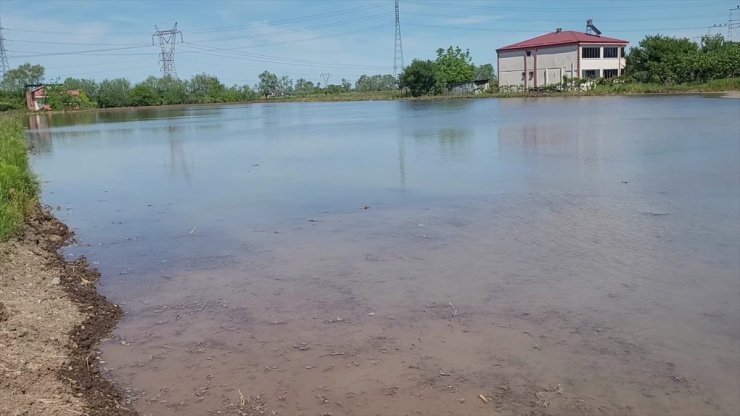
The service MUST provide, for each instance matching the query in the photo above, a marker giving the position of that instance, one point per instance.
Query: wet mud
(51, 322)
(412, 318)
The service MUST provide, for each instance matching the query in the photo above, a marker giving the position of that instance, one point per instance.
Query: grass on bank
(717, 85)
(18, 186)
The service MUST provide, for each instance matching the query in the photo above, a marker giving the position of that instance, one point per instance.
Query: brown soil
(51, 322)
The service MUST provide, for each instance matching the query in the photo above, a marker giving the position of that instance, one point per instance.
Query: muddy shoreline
(52, 320)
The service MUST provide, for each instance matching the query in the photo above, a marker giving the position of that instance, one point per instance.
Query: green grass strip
(18, 186)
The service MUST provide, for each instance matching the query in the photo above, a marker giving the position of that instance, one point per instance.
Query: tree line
(153, 91)
(668, 60)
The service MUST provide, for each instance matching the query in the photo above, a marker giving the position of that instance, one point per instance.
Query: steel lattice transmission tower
(4, 66)
(167, 41)
(733, 23)
(398, 49)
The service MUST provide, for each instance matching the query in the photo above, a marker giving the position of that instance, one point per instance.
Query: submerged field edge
(80, 372)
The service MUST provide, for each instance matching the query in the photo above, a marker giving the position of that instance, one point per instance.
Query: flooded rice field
(545, 256)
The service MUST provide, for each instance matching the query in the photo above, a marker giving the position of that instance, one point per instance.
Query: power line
(292, 19)
(488, 29)
(398, 46)
(303, 29)
(167, 41)
(83, 52)
(71, 43)
(427, 4)
(500, 19)
(330, 35)
(237, 54)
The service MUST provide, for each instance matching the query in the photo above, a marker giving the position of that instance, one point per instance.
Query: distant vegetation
(18, 187)
(154, 91)
(452, 66)
(667, 60)
(657, 64)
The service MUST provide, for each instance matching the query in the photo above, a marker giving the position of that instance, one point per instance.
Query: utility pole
(398, 48)
(733, 23)
(4, 66)
(167, 40)
(325, 76)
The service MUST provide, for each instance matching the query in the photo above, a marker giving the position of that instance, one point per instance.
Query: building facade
(548, 59)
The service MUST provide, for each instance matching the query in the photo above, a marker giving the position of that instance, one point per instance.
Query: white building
(545, 60)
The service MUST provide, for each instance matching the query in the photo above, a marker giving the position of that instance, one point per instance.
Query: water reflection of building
(451, 143)
(38, 134)
(566, 139)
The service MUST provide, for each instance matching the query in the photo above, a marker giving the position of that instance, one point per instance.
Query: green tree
(268, 85)
(485, 71)
(285, 86)
(15, 80)
(144, 93)
(88, 86)
(664, 59)
(660, 59)
(376, 83)
(719, 58)
(114, 93)
(454, 66)
(246, 93)
(420, 77)
(172, 90)
(60, 98)
(346, 85)
(204, 88)
(303, 87)
(333, 89)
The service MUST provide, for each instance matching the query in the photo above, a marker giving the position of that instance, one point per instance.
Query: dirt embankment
(51, 321)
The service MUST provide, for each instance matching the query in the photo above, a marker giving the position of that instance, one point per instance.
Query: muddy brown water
(555, 256)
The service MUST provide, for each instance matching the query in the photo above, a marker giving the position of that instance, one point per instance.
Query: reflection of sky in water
(151, 175)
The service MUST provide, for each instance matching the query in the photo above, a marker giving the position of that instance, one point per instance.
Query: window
(531, 75)
(623, 52)
(591, 52)
(529, 53)
(610, 73)
(524, 75)
(610, 52)
(590, 73)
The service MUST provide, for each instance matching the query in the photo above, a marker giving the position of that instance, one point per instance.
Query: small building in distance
(547, 59)
(36, 96)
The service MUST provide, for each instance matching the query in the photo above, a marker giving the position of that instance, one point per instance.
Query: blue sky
(237, 39)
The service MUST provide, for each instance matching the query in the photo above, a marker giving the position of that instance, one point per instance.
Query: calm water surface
(557, 256)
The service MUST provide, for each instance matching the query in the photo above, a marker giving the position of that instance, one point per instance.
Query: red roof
(561, 38)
